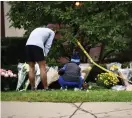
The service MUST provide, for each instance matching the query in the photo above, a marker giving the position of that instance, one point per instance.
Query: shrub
(125, 64)
(107, 79)
(12, 50)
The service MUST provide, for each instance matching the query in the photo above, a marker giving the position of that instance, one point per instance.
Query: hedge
(12, 50)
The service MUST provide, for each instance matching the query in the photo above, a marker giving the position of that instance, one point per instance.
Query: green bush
(125, 64)
(8, 83)
(12, 50)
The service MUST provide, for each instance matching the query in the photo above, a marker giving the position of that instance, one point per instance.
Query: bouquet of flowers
(114, 66)
(7, 73)
(8, 79)
(23, 69)
(107, 79)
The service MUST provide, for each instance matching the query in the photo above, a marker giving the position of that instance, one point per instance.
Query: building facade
(6, 30)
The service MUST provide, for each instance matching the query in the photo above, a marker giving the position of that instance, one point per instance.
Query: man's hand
(61, 72)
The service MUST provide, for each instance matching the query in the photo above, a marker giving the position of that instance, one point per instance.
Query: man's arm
(49, 43)
(62, 70)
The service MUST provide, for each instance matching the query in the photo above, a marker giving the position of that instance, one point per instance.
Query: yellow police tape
(91, 60)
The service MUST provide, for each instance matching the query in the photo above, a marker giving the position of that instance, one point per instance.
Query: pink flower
(9, 71)
(6, 75)
(3, 73)
(0, 70)
(3, 70)
(15, 75)
(11, 75)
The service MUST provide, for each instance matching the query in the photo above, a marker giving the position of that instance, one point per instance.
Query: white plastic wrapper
(23, 69)
(37, 71)
(130, 65)
(126, 73)
(114, 63)
(52, 74)
(22, 72)
(85, 68)
(121, 88)
(118, 88)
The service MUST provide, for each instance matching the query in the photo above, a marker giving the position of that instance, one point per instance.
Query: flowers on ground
(7, 73)
(114, 67)
(107, 79)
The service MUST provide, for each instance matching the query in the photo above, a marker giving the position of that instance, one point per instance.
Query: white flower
(3, 73)
(76, 89)
(11, 74)
(6, 75)
(90, 87)
(65, 89)
(14, 75)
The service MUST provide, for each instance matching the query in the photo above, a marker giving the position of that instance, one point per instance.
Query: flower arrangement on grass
(107, 79)
(8, 79)
(7, 73)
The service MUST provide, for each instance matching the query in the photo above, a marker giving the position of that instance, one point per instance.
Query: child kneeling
(70, 75)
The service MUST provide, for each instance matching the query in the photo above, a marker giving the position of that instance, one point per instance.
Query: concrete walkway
(66, 110)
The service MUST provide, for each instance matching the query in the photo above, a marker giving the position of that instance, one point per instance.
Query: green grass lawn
(68, 96)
